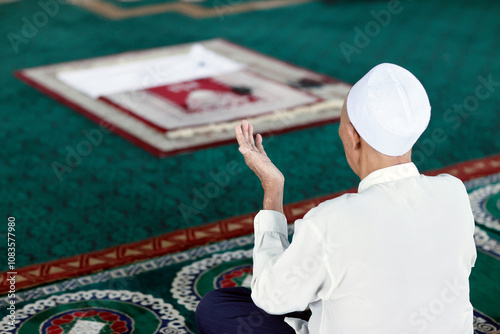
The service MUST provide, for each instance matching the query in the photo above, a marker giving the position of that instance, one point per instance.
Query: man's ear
(354, 137)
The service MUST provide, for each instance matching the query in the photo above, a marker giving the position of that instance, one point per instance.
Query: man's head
(383, 116)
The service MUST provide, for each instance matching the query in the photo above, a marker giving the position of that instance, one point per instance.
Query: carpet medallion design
(485, 202)
(97, 312)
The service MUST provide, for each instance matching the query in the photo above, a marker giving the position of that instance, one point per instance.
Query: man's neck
(373, 162)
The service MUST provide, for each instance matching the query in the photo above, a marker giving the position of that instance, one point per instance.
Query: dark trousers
(232, 311)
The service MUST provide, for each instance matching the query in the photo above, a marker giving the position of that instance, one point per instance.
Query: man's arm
(273, 198)
(288, 277)
(283, 279)
(256, 158)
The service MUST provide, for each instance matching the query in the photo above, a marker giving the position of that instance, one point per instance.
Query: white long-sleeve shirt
(394, 258)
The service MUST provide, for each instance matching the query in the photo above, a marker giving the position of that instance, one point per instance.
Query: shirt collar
(387, 174)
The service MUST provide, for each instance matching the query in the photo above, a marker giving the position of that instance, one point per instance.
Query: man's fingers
(260, 147)
(244, 144)
(244, 136)
(240, 137)
(244, 128)
(250, 134)
(243, 150)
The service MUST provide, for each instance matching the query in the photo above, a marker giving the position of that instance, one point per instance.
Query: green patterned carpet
(174, 284)
(120, 193)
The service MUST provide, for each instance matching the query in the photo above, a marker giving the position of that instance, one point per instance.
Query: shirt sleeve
(288, 277)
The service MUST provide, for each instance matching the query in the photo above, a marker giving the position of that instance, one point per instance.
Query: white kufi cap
(389, 108)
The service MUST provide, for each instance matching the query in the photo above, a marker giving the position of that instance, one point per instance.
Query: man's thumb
(243, 150)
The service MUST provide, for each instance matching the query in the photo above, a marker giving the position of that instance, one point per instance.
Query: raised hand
(257, 159)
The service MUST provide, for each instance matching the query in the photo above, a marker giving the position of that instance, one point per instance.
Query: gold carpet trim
(113, 12)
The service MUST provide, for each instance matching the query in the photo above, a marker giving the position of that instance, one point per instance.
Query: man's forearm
(273, 197)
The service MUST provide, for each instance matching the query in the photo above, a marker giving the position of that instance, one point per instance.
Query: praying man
(394, 258)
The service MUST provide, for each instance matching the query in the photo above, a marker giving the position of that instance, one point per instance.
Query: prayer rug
(186, 97)
(122, 9)
(159, 295)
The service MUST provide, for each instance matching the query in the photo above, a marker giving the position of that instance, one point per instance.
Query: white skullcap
(389, 108)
